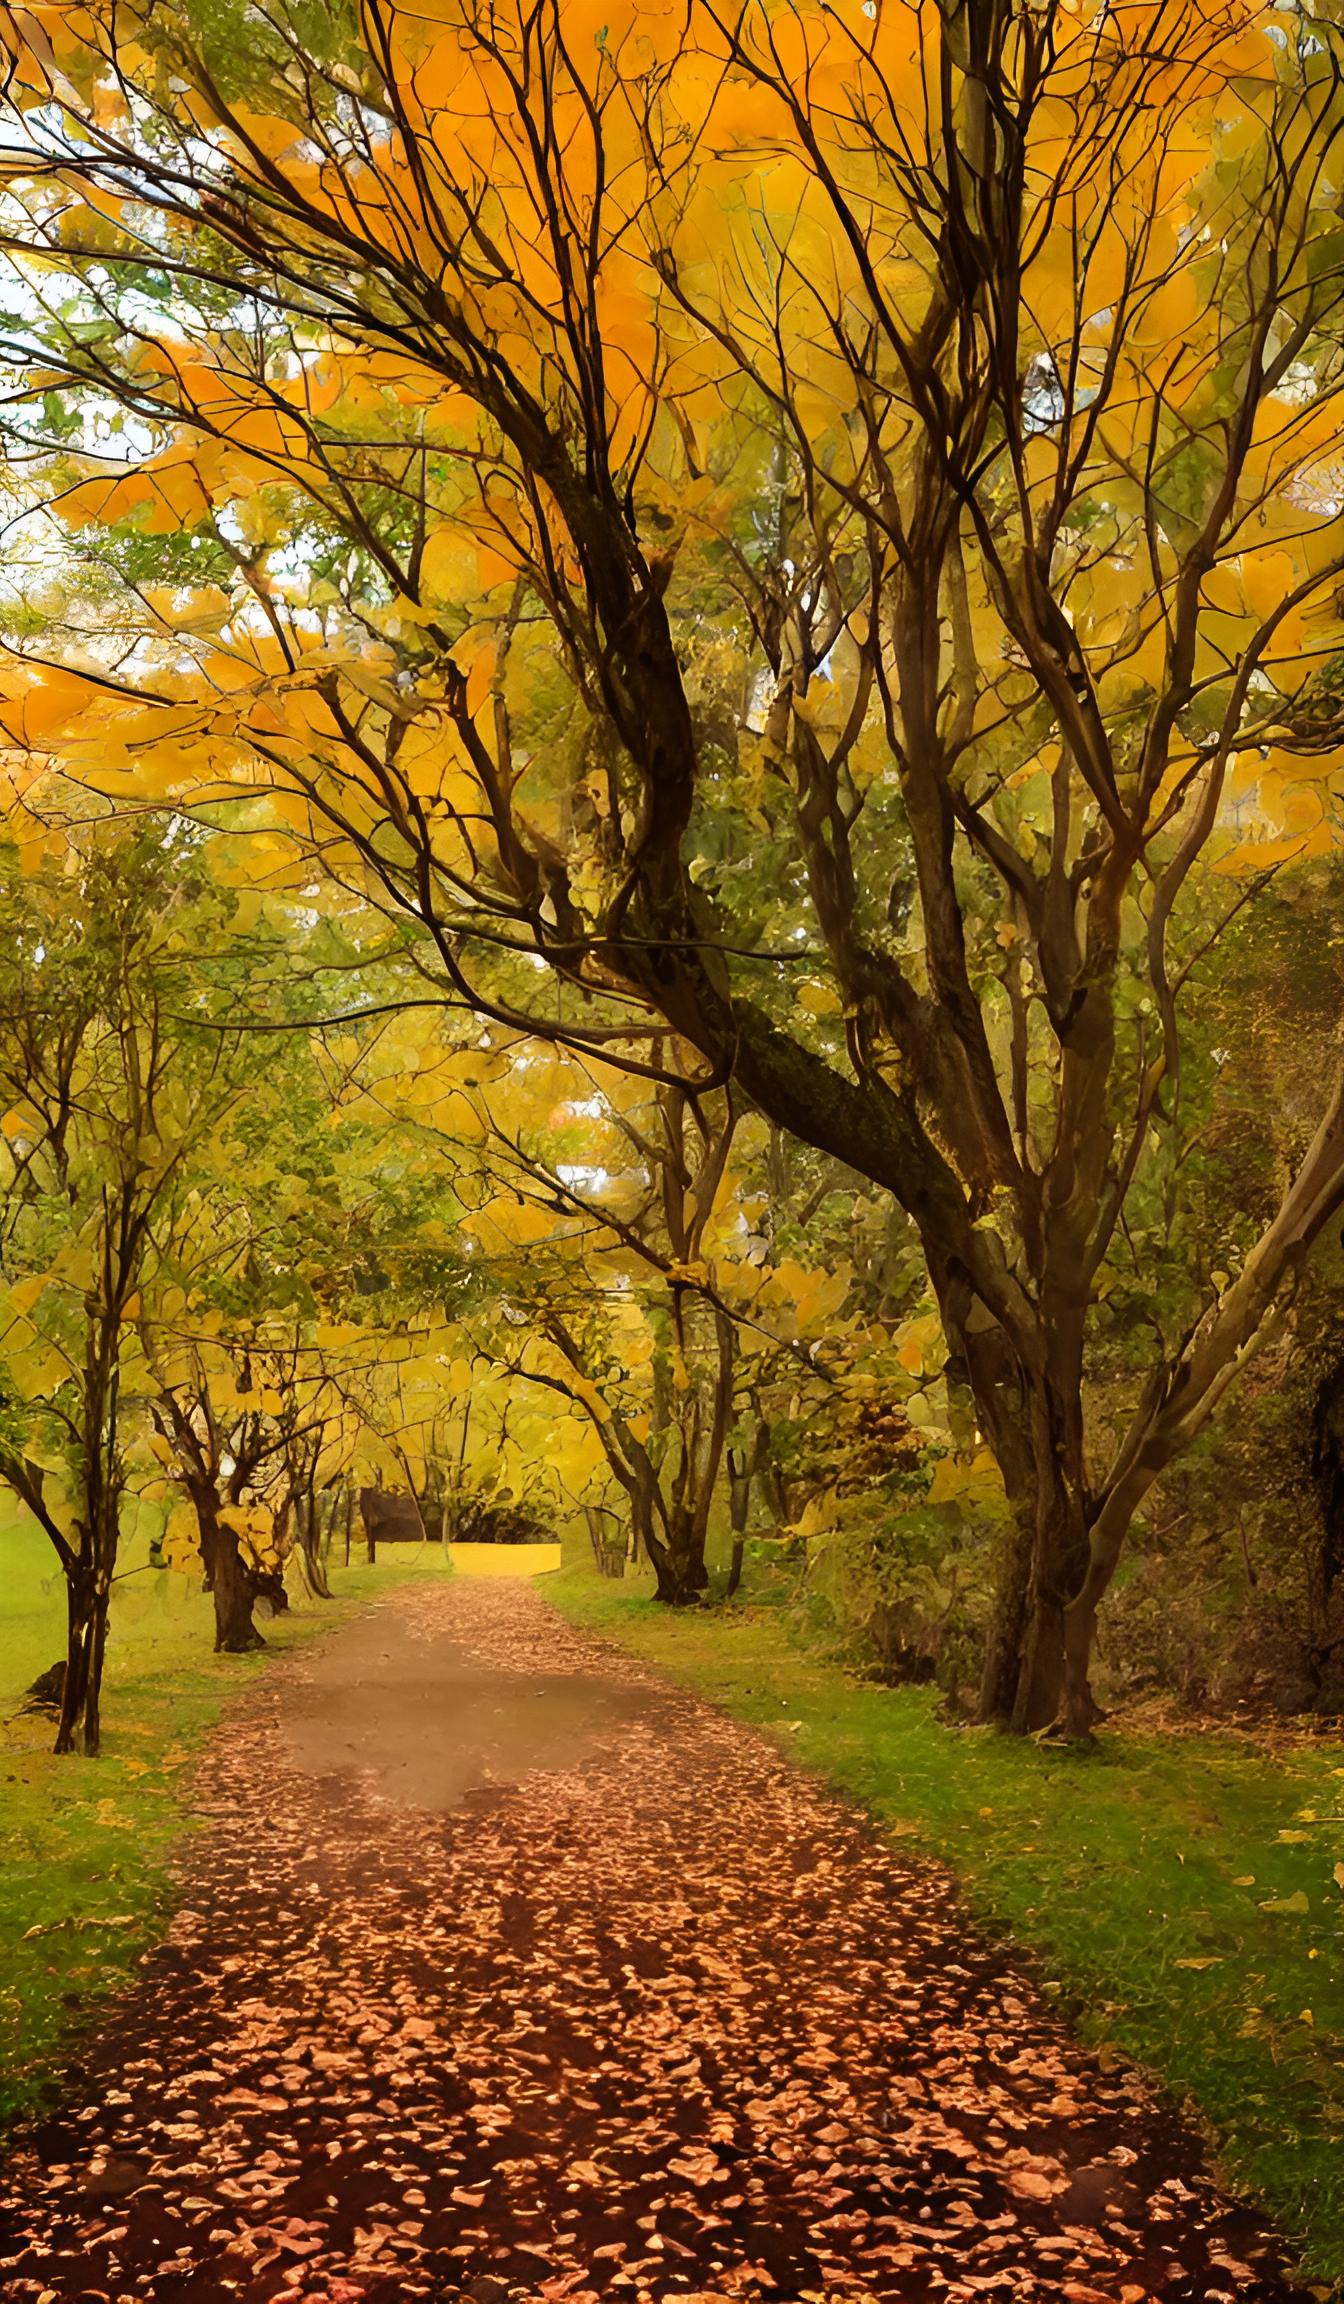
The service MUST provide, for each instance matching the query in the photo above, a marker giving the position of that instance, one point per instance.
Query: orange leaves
(632, 351)
(40, 707)
(235, 431)
(243, 410)
(464, 560)
(266, 133)
(162, 497)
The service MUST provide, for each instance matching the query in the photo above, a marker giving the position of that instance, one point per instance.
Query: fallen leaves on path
(663, 2021)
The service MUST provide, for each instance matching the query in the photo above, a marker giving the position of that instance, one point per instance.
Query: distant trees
(615, 1225)
(181, 1217)
(111, 1095)
(816, 525)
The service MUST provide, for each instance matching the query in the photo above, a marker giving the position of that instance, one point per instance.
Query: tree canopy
(789, 556)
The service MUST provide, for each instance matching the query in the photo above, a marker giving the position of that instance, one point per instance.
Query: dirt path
(510, 1972)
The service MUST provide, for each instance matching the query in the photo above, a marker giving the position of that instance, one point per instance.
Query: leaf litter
(652, 2015)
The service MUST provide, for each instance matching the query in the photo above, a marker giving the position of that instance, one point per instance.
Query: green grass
(1115, 1871)
(86, 1845)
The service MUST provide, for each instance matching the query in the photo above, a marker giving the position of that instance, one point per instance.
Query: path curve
(508, 1971)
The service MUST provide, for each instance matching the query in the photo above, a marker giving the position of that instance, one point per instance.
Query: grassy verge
(1182, 1896)
(85, 1845)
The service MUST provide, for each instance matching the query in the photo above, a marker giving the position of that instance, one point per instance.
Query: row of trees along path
(800, 544)
(504, 1971)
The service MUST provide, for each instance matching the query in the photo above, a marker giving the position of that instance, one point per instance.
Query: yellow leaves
(574, 1452)
(506, 1222)
(1255, 586)
(791, 1300)
(447, 565)
(202, 608)
(819, 1516)
(1286, 811)
(35, 1364)
(110, 1818)
(254, 1527)
(922, 1348)
(181, 1539)
(818, 999)
(966, 1480)
(591, 1396)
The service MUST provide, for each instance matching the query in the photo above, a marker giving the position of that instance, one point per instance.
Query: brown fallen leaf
(1028, 2184)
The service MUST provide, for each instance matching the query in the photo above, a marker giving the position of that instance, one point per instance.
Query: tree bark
(80, 1725)
(309, 1535)
(236, 1632)
(226, 1575)
(743, 1469)
(678, 1561)
(739, 1498)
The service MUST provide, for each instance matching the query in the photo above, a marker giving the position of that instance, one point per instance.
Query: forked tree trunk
(678, 1558)
(609, 1541)
(1042, 1563)
(669, 1540)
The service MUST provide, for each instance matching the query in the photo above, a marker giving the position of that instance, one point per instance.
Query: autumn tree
(614, 1223)
(808, 521)
(219, 1448)
(668, 1456)
(311, 1237)
(111, 1093)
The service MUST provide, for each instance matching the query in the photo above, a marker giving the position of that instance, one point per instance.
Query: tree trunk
(306, 1524)
(740, 1469)
(1325, 1543)
(226, 1576)
(678, 1560)
(607, 1539)
(1043, 1559)
(268, 1584)
(236, 1633)
(80, 1725)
